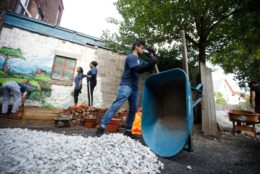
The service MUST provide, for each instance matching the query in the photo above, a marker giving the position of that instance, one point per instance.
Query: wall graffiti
(15, 67)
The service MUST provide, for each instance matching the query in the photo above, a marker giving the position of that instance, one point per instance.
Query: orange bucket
(113, 126)
(90, 122)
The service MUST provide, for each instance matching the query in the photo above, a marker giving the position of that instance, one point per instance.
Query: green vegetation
(223, 32)
(42, 83)
(219, 99)
(47, 106)
(11, 52)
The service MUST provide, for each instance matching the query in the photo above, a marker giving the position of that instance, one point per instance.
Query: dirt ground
(221, 153)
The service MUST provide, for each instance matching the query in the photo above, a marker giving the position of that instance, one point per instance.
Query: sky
(89, 16)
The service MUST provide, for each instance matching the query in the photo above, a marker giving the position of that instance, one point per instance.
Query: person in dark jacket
(92, 81)
(255, 96)
(78, 84)
(128, 89)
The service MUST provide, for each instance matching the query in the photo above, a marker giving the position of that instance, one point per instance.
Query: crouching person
(19, 91)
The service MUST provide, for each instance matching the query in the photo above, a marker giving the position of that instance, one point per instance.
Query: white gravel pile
(28, 151)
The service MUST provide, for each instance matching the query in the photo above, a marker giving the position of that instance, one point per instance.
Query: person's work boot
(128, 133)
(3, 115)
(100, 131)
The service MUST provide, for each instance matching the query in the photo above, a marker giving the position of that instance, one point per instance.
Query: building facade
(48, 56)
(49, 11)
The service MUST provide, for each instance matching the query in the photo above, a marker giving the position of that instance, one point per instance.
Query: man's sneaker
(128, 133)
(100, 131)
(2, 115)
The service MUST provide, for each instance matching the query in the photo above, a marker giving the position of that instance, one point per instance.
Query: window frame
(63, 68)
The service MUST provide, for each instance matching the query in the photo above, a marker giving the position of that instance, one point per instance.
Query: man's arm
(143, 68)
(252, 99)
(24, 97)
(146, 66)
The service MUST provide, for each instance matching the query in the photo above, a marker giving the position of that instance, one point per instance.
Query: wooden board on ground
(38, 113)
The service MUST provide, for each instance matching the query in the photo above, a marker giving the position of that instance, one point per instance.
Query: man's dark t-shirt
(131, 78)
(256, 89)
(93, 73)
(24, 88)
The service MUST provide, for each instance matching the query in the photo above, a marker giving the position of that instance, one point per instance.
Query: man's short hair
(94, 63)
(137, 43)
(252, 83)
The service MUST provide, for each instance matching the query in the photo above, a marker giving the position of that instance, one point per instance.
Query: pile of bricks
(81, 112)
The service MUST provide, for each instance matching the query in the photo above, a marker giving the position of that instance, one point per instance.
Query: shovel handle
(156, 69)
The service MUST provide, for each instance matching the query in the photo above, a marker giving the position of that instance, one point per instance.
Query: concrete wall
(43, 48)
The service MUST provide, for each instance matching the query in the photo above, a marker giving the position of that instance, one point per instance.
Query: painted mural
(15, 67)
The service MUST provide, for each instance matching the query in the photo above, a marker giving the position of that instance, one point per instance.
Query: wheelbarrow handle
(199, 89)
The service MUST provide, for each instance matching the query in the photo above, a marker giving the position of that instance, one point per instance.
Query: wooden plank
(209, 122)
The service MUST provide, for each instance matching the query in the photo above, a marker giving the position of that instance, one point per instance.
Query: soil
(219, 153)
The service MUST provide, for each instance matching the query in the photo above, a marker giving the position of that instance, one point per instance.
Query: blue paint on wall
(29, 67)
(2, 61)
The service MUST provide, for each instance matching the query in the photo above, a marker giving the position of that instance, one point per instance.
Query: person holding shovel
(255, 96)
(91, 81)
(128, 89)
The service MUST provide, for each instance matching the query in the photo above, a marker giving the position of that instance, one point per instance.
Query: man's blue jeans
(124, 92)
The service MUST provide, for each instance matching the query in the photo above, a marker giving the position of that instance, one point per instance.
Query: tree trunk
(202, 52)
(5, 66)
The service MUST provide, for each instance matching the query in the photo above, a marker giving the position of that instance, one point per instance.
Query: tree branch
(190, 39)
(220, 20)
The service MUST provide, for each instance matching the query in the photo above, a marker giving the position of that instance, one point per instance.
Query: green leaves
(219, 30)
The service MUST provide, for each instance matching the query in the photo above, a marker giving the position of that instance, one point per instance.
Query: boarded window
(63, 69)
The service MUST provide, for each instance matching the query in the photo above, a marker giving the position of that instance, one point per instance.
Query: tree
(9, 53)
(208, 24)
(239, 52)
(161, 21)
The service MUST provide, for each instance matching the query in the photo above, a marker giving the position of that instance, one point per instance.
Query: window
(22, 5)
(63, 69)
(39, 15)
(57, 16)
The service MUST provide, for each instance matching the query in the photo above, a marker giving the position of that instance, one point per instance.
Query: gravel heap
(29, 151)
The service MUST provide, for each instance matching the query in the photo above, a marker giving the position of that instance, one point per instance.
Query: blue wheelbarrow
(167, 117)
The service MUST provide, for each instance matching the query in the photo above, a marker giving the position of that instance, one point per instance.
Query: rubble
(30, 151)
(79, 114)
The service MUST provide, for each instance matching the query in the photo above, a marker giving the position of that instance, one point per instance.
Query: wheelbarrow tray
(167, 112)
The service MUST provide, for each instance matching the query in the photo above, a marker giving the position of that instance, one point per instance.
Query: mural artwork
(15, 67)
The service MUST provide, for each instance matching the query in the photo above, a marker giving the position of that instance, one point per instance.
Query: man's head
(252, 84)
(138, 47)
(93, 64)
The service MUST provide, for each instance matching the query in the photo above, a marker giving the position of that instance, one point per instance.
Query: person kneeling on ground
(128, 89)
(19, 91)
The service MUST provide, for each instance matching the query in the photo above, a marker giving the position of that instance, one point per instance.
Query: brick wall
(51, 9)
